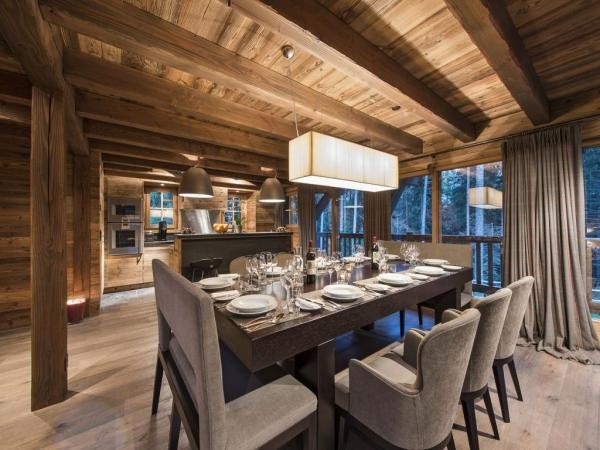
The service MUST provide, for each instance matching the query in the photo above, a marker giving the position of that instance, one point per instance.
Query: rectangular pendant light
(316, 158)
(485, 197)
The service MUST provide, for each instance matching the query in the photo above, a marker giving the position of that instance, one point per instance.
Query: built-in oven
(124, 209)
(126, 238)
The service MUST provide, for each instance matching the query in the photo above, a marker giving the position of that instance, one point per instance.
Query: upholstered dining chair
(238, 265)
(189, 352)
(521, 291)
(409, 402)
(493, 310)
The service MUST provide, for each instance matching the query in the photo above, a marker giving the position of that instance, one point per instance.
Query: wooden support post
(81, 226)
(48, 250)
(436, 223)
(96, 214)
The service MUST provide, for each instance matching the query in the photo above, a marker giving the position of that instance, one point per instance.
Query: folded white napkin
(225, 294)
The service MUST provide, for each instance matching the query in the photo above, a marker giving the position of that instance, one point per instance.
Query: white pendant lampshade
(196, 183)
(485, 197)
(271, 191)
(315, 158)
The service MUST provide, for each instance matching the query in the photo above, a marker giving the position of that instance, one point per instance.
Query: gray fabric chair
(493, 310)
(238, 265)
(409, 402)
(459, 254)
(189, 353)
(521, 291)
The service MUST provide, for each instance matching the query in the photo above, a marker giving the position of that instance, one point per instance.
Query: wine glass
(330, 266)
(359, 253)
(249, 267)
(338, 264)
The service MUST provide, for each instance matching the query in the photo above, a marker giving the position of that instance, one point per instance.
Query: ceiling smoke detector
(287, 51)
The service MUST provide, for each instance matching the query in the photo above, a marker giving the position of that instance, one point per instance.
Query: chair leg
(309, 436)
(420, 312)
(515, 378)
(450, 445)
(490, 410)
(175, 428)
(468, 406)
(157, 385)
(402, 319)
(501, 388)
(342, 436)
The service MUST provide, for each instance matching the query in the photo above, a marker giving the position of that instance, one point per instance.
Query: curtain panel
(377, 216)
(306, 216)
(544, 236)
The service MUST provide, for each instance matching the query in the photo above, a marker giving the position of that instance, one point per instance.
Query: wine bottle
(311, 264)
(374, 254)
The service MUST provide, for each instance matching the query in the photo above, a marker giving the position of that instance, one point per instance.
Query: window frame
(147, 208)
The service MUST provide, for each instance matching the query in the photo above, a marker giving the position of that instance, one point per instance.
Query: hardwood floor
(111, 369)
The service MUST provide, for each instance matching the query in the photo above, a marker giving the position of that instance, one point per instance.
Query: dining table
(306, 341)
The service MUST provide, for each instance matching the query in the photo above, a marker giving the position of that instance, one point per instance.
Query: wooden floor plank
(111, 369)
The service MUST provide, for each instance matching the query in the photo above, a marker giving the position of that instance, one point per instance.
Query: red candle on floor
(75, 309)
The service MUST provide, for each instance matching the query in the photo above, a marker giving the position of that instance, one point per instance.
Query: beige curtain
(377, 215)
(306, 215)
(544, 236)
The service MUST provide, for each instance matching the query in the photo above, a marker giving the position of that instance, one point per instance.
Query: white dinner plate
(451, 268)
(307, 305)
(216, 283)
(395, 279)
(418, 276)
(342, 292)
(378, 287)
(254, 303)
(429, 270)
(234, 310)
(435, 262)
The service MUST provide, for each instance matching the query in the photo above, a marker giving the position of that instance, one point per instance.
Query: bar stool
(216, 263)
(203, 266)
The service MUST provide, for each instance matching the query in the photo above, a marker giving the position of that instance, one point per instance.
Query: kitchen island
(193, 247)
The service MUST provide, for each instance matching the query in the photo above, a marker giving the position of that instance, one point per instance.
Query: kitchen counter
(158, 243)
(193, 247)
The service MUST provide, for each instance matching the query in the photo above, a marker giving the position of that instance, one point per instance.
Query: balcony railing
(347, 242)
(487, 257)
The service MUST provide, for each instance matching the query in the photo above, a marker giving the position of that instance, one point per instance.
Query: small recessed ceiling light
(162, 184)
(395, 108)
(287, 51)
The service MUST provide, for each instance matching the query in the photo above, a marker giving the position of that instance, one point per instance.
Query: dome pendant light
(195, 183)
(271, 191)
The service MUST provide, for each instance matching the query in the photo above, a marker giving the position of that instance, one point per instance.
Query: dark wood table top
(264, 347)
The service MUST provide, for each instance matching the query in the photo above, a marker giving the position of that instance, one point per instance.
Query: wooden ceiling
(207, 77)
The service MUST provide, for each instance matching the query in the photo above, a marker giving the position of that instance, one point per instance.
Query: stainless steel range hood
(200, 220)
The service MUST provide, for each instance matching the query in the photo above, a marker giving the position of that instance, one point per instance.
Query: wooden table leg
(450, 299)
(316, 369)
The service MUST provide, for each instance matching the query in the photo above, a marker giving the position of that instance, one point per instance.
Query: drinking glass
(344, 276)
(249, 267)
(330, 264)
(359, 253)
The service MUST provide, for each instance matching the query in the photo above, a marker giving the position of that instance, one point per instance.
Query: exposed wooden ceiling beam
(111, 110)
(491, 29)
(39, 50)
(7, 60)
(116, 134)
(15, 113)
(316, 29)
(131, 28)
(15, 88)
(173, 179)
(97, 75)
(224, 169)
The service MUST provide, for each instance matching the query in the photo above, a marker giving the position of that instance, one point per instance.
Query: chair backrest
(521, 291)
(238, 265)
(186, 311)
(457, 254)
(493, 313)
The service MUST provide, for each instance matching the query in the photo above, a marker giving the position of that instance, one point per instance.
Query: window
(233, 210)
(293, 208)
(411, 209)
(465, 219)
(591, 169)
(323, 218)
(351, 221)
(161, 204)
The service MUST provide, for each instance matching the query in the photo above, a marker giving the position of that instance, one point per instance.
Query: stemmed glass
(338, 264)
(330, 265)
(287, 280)
(359, 253)
(249, 267)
